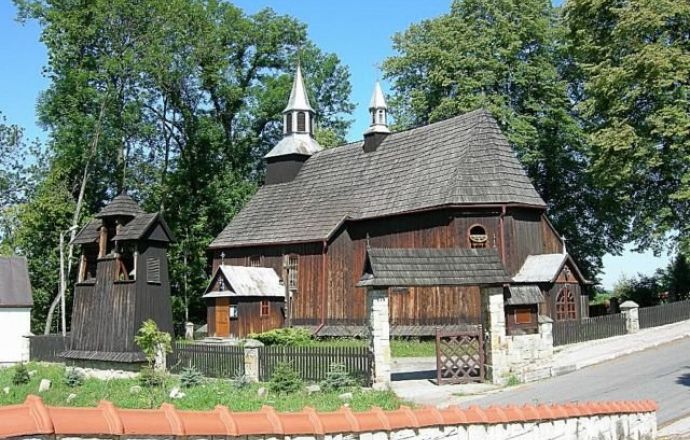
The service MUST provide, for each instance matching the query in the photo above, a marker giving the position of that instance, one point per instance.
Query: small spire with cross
(222, 258)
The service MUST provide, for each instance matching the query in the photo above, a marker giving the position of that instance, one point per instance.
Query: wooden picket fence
(570, 332)
(664, 314)
(221, 361)
(313, 363)
(46, 348)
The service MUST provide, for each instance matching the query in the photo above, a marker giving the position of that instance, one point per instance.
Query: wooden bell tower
(122, 282)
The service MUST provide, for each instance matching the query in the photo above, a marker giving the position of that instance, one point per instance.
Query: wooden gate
(459, 356)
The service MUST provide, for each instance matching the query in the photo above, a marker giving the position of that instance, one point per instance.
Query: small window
(233, 311)
(254, 261)
(288, 123)
(382, 117)
(301, 122)
(523, 315)
(153, 270)
(265, 308)
(478, 237)
(293, 272)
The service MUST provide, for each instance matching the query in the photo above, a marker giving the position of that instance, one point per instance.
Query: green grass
(399, 347)
(206, 397)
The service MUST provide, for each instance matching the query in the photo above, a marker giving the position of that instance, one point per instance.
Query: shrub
(73, 378)
(150, 340)
(21, 375)
(284, 336)
(240, 381)
(149, 377)
(191, 377)
(337, 378)
(285, 379)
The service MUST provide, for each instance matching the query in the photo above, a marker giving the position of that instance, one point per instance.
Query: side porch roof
(545, 268)
(246, 281)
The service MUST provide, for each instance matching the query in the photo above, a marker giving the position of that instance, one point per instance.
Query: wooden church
(452, 186)
(122, 282)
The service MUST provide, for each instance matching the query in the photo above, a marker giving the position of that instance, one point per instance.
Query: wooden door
(222, 317)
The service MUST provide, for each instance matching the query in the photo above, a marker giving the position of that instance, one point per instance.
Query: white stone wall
(15, 323)
(530, 357)
(639, 426)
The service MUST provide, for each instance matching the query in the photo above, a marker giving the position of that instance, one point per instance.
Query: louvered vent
(153, 270)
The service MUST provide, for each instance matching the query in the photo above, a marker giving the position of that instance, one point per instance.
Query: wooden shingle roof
(464, 160)
(122, 205)
(433, 267)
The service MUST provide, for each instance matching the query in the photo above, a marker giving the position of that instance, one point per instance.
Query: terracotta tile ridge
(382, 417)
(227, 420)
(273, 419)
(39, 414)
(428, 416)
(315, 420)
(176, 425)
(34, 418)
(350, 417)
(112, 417)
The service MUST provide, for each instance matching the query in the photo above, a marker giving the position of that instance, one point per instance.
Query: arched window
(565, 305)
(301, 122)
(288, 123)
(373, 118)
(478, 237)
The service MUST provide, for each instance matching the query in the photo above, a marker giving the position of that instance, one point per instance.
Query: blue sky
(358, 31)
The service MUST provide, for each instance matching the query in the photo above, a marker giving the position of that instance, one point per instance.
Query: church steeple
(378, 118)
(298, 116)
(378, 111)
(284, 161)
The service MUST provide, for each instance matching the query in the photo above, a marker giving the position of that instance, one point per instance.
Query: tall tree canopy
(632, 64)
(176, 101)
(507, 56)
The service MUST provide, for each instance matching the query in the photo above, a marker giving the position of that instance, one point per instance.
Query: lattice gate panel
(459, 357)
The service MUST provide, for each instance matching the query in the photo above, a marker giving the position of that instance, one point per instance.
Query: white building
(15, 310)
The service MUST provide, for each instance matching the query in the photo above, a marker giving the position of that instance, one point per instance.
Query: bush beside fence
(664, 314)
(220, 361)
(570, 332)
(313, 363)
(46, 348)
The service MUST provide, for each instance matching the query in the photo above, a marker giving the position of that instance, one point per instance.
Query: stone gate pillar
(495, 343)
(379, 337)
(630, 310)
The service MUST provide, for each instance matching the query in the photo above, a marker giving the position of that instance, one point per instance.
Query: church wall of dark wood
(524, 232)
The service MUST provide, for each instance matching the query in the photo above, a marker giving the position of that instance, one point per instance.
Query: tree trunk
(77, 214)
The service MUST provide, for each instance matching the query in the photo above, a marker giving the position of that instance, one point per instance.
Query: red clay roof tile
(33, 418)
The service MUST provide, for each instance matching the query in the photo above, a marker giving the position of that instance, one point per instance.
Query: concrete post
(159, 362)
(630, 310)
(495, 343)
(379, 337)
(251, 363)
(189, 331)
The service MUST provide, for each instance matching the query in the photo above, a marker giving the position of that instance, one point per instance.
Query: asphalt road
(661, 373)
